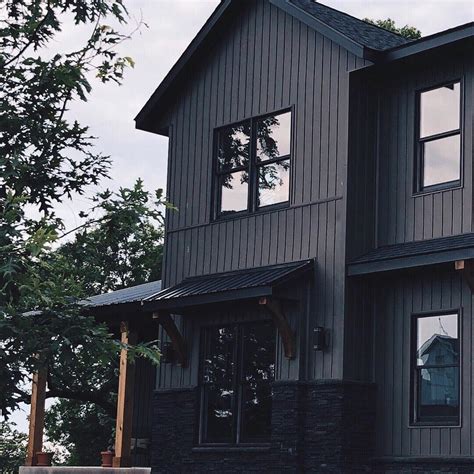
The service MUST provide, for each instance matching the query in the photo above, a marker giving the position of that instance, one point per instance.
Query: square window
(439, 138)
(253, 164)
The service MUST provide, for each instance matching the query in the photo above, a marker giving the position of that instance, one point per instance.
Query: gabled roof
(356, 35)
(360, 38)
(414, 254)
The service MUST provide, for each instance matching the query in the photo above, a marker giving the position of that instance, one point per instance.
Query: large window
(439, 140)
(253, 164)
(237, 369)
(436, 369)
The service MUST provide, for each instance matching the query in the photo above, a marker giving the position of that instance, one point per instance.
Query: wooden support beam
(287, 335)
(467, 269)
(177, 340)
(123, 431)
(36, 428)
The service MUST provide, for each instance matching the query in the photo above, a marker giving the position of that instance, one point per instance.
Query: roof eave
(142, 120)
(323, 28)
(429, 43)
(408, 262)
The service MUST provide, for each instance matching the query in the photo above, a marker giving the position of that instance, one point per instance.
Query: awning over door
(230, 286)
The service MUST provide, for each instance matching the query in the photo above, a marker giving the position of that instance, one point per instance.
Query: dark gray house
(317, 311)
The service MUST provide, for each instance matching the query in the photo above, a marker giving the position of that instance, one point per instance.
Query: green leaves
(409, 32)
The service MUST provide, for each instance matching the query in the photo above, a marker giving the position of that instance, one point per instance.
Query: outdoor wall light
(320, 339)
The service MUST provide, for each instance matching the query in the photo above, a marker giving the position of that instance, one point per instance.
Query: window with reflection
(440, 137)
(436, 369)
(253, 164)
(237, 368)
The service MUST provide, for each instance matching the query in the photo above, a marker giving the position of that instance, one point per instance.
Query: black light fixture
(320, 338)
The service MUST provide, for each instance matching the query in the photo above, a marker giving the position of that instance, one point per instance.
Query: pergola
(123, 313)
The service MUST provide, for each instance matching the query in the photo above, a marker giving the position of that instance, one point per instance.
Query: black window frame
(238, 384)
(437, 421)
(253, 182)
(421, 141)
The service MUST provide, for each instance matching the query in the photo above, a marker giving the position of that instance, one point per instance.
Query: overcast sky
(171, 26)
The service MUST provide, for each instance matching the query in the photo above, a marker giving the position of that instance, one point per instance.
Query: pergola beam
(37, 409)
(123, 431)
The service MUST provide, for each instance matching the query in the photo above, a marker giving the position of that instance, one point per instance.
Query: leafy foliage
(46, 157)
(12, 448)
(408, 32)
(84, 429)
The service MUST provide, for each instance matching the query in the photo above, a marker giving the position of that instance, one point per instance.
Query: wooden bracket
(287, 335)
(467, 269)
(177, 340)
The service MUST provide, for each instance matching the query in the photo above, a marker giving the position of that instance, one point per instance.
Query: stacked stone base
(316, 427)
(424, 466)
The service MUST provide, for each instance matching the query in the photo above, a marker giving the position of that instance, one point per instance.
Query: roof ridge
(362, 21)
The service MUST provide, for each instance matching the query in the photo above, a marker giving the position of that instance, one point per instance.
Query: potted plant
(107, 457)
(44, 459)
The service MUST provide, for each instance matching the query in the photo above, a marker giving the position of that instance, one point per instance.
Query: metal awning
(230, 286)
(414, 254)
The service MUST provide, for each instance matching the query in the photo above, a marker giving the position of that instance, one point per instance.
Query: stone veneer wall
(316, 427)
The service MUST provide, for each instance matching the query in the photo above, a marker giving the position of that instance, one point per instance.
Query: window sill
(437, 190)
(435, 424)
(232, 448)
(260, 210)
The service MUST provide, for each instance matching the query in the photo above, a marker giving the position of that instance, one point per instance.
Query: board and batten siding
(264, 61)
(397, 299)
(403, 216)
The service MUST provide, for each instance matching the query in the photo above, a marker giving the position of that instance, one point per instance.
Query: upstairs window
(237, 370)
(439, 140)
(253, 164)
(436, 369)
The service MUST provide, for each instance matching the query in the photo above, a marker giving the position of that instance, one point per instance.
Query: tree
(12, 448)
(84, 429)
(122, 248)
(45, 157)
(408, 32)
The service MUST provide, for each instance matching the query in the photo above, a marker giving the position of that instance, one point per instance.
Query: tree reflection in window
(237, 372)
(253, 164)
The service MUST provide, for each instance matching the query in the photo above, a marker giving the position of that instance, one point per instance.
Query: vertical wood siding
(403, 217)
(265, 60)
(396, 300)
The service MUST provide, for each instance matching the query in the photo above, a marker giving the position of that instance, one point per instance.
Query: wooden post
(36, 428)
(466, 267)
(123, 434)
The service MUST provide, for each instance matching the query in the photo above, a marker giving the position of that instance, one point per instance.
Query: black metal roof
(358, 30)
(134, 294)
(220, 287)
(414, 254)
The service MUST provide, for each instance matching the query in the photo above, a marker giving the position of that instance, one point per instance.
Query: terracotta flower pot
(44, 459)
(107, 458)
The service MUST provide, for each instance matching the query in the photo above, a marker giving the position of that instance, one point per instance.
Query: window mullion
(253, 175)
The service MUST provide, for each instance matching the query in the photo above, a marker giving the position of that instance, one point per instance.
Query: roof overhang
(414, 255)
(238, 285)
(428, 43)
